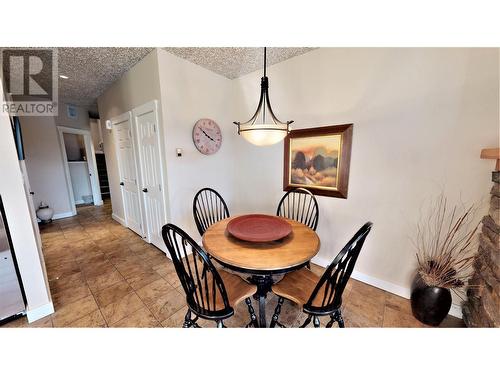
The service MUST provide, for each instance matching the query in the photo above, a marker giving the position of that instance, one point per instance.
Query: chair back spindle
(208, 208)
(327, 295)
(299, 204)
(205, 291)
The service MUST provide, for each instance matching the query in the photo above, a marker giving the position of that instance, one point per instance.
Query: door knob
(32, 193)
(121, 183)
(145, 190)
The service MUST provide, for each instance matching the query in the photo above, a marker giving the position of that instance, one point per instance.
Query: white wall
(44, 160)
(188, 93)
(421, 117)
(82, 120)
(29, 257)
(138, 86)
(44, 163)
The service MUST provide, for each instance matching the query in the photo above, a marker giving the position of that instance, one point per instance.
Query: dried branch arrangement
(446, 241)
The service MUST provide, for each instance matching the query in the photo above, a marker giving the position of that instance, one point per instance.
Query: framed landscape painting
(318, 159)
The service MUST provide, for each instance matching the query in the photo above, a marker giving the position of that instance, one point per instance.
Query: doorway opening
(100, 157)
(80, 167)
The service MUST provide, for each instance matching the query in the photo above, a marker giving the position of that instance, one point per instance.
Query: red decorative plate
(259, 228)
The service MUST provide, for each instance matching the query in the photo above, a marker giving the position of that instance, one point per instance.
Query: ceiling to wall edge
(228, 62)
(236, 62)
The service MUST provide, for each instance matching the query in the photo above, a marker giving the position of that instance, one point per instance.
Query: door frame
(152, 106)
(115, 121)
(91, 165)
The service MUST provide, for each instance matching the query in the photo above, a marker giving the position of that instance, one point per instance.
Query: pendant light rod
(265, 77)
(263, 103)
(265, 65)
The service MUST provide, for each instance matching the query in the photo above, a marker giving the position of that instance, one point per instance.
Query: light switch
(178, 152)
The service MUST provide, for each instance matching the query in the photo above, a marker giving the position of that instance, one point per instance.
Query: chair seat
(237, 289)
(298, 286)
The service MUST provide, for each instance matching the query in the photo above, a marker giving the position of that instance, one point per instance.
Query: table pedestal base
(264, 284)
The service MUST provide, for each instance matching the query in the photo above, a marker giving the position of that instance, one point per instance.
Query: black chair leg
(220, 324)
(336, 317)
(316, 322)
(306, 322)
(251, 311)
(277, 312)
(187, 320)
(340, 320)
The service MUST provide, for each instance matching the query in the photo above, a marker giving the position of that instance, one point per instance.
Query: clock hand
(207, 135)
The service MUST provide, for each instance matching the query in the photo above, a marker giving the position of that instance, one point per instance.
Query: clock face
(207, 136)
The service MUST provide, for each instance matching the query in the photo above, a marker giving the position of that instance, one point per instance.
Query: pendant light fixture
(271, 130)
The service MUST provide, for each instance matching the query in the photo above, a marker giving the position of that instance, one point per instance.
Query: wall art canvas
(318, 159)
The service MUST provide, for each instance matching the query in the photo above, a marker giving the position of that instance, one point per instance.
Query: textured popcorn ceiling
(233, 62)
(92, 70)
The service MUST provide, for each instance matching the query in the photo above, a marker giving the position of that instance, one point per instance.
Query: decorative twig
(446, 241)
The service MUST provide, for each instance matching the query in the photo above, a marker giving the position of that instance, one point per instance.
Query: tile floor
(103, 275)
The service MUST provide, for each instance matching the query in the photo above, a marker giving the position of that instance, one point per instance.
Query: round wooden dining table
(262, 260)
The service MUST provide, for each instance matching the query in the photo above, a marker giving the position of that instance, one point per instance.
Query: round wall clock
(207, 136)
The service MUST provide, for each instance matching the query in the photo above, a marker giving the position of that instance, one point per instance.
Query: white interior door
(92, 166)
(148, 147)
(122, 129)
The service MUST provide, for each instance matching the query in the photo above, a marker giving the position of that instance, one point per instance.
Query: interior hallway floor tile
(102, 274)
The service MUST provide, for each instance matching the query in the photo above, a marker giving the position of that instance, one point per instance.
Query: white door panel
(148, 147)
(128, 173)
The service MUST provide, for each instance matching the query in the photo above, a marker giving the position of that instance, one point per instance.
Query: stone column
(482, 308)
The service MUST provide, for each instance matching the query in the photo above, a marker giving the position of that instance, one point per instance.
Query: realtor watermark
(31, 81)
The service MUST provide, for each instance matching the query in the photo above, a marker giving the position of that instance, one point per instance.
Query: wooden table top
(296, 249)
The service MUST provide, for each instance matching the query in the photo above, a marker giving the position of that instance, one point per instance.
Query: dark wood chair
(299, 204)
(210, 294)
(208, 208)
(321, 296)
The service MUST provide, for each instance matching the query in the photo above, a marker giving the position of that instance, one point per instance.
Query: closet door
(148, 147)
(122, 129)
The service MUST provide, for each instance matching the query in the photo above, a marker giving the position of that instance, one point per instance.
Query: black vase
(429, 304)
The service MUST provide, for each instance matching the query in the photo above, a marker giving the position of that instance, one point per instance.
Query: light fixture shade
(267, 133)
(263, 134)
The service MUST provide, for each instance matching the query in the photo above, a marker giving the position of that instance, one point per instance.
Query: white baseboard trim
(39, 312)
(455, 310)
(81, 201)
(119, 219)
(99, 203)
(63, 215)
(382, 284)
(59, 216)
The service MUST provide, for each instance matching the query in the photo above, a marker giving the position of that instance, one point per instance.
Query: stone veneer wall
(482, 308)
